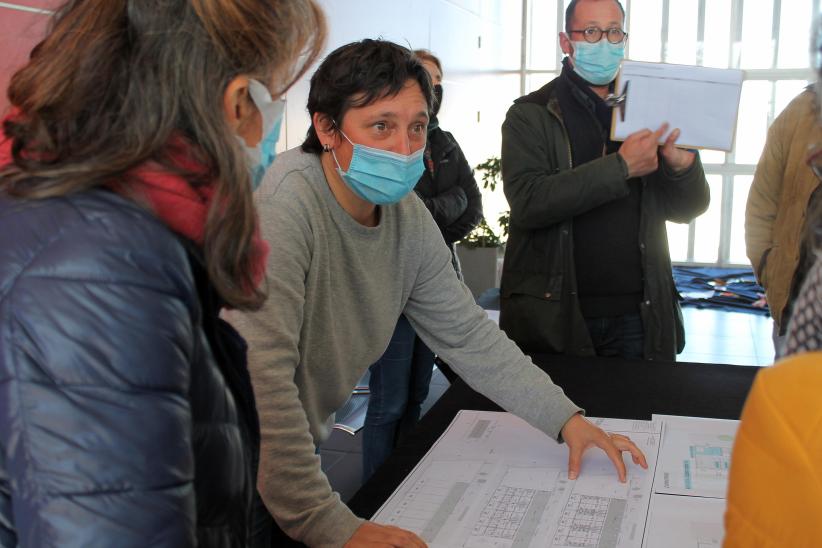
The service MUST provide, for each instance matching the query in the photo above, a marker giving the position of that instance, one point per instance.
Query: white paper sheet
(684, 522)
(695, 456)
(702, 102)
(492, 480)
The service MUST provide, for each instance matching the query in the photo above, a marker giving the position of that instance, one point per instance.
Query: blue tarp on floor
(703, 287)
(725, 288)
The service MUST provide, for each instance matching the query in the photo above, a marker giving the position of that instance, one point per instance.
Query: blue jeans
(398, 385)
(618, 336)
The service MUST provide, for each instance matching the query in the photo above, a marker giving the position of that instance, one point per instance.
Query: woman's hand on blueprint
(372, 534)
(580, 434)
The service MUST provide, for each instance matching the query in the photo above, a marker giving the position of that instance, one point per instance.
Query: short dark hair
(569, 12)
(357, 75)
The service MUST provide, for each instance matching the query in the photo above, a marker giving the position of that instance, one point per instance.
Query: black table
(603, 387)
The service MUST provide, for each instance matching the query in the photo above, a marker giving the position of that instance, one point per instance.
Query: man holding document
(587, 269)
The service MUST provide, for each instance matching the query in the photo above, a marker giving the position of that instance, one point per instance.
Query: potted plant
(480, 252)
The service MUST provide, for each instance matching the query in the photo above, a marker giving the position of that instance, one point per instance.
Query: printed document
(685, 522)
(492, 480)
(702, 102)
(695, 456)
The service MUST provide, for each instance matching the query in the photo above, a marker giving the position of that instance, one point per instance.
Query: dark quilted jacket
(126, 416)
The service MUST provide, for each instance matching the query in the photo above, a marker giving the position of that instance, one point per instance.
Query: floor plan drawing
(494, 481)
(695, 457)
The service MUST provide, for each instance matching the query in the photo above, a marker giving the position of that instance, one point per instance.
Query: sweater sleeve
(445, 317)
(291, 483)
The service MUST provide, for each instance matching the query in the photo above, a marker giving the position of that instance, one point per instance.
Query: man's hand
(371, 534)
(677, 159)
(580, 434)
(640, 151)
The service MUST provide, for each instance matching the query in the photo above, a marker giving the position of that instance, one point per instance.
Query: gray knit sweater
(336, 290)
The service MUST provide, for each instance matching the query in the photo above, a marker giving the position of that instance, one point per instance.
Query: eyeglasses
(594, 34)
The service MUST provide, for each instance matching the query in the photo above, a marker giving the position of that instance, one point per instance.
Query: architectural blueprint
(492, 480)
(695, 456)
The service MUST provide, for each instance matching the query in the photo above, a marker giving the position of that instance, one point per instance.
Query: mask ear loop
(327, 147)
(337, 127)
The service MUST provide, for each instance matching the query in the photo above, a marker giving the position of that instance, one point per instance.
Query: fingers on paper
(661, 131)
(405, 539)
(607, 444)
(574, 460)
(672, 138)
(624, 443)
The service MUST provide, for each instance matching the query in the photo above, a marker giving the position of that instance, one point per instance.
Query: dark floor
(713, 336)
(341, 453)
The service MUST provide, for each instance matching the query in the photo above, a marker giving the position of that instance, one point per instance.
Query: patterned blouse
(805, 327)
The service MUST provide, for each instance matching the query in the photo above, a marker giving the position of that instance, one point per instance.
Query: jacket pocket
(531, 315)
(539, 286)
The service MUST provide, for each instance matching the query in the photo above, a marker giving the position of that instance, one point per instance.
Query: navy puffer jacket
(125, 419)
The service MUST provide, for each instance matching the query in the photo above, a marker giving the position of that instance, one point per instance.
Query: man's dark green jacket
(539, 308)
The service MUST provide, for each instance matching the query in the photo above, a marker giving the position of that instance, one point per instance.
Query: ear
(565, 44)
(326, 129)
(237, 105)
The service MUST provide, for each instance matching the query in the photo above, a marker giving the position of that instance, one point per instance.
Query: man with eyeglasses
(587, 269)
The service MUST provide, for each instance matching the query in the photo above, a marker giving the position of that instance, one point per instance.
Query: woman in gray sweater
(352, 248)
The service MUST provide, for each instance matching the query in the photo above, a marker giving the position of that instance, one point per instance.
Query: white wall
(478, 42)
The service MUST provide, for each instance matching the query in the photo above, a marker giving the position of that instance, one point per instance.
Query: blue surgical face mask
(598, 63)
(379, 176)
(261, 156)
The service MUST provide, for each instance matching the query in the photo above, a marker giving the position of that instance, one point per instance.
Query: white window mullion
(560, 28)
(524, 41)
(663, 30)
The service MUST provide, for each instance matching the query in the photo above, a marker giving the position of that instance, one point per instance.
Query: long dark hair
(358, 74)
(116, 81)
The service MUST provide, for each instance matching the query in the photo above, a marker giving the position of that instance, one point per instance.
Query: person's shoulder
(794, 373)
(293, 174)
(292, 195)
(801, 111)
(533, 105)
(413, 217)
(95, 235)
(790, 389)
(442, 141)
(804, 101)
